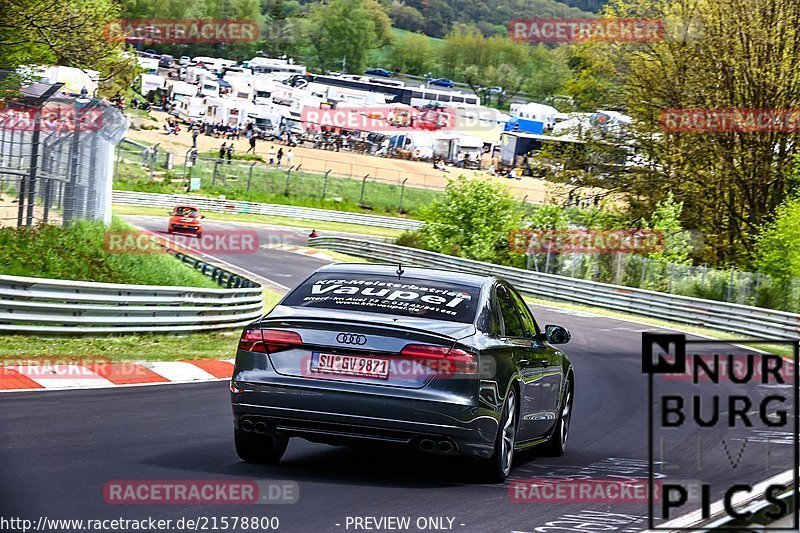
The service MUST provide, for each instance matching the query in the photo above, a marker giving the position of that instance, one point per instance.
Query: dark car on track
(378, 72)
(441, 82)
(444, 362)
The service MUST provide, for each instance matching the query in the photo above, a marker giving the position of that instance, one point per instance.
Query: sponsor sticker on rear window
(388, 295)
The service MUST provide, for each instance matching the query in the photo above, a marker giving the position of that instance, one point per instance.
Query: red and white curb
(310, 252)
(91, 375)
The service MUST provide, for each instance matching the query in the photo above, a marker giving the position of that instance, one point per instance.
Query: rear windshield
(389, 295)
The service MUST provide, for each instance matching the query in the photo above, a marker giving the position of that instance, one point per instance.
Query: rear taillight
(442, 359)
(268, 340)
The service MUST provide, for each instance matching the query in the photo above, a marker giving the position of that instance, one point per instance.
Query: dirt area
(419, 174)
(9, 209)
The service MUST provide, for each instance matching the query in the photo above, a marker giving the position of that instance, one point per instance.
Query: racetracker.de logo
(183, 31)
(608, 491)
(200, 492)
(725, 120)
(551, 30)
(52, 117)
(210, 242)
(525, 241)
(379, 118)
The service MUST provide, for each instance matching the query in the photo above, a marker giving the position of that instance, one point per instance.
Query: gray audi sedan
(444, 362)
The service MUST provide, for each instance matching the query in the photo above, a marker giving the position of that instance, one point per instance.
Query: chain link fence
(641, 271)
(56, 157)
(143, 167)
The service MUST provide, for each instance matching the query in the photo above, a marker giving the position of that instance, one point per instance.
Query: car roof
(431, 274)
(187, 205)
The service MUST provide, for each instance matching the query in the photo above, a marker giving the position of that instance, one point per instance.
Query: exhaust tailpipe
(445, 446)
(427, 445)
(261, 427)
(246, 424)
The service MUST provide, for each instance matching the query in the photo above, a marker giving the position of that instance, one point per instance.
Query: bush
(473, 220)
(78, 252)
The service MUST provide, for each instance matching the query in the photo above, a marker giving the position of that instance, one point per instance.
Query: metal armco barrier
(741, 319)
(234, 206)
(53, 306)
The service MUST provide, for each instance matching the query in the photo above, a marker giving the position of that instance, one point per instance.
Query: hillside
(437, 17)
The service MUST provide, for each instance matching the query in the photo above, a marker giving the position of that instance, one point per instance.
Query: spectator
(223, 150)
(252, 145)
(271, 155)
(280, 156)
(460, 159)
(195, 133)
(230, 153)
(289, 158)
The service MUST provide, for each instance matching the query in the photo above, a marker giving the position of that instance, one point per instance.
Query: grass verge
(266, 219)
(78, 252)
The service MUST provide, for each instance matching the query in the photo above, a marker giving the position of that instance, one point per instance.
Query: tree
(406, 17)
(715, 55)
(412, 54)
(64, 32)
(342, 33)
(473, 220)
(778, 244)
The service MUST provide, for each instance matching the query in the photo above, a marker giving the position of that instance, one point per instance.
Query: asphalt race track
(60, 448)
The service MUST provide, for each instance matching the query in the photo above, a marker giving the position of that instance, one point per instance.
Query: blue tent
(525, 125)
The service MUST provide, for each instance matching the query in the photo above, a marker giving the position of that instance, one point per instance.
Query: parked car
(185, 60)
(378, 72)
(166, 61)
(494, 91)
(186, 219)
(441, 82)
(442, 362)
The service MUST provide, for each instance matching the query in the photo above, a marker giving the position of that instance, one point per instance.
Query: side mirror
(556, 334)
(202, 216)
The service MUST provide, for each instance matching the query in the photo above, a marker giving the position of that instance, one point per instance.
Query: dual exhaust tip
(436, 446)
(257, 426)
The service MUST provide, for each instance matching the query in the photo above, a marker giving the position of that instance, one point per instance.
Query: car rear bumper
(340, 416)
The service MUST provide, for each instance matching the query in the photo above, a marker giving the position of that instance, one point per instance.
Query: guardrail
(235, 206)
(54, 306)
(741, 319)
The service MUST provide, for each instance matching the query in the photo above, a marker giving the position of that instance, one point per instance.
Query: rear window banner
(407, 297)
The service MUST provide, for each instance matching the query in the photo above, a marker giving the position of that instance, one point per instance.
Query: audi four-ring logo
(351, 338)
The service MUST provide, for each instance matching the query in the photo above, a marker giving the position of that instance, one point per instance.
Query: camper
(448, 145)
(150, 82)
(418, 143)
(209, 87)
(149, 64)
(214, 64)
(180, 89)
(266, 65)
(539, 112)
(190, 108)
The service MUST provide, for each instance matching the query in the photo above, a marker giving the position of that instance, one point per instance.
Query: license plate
(350, 365)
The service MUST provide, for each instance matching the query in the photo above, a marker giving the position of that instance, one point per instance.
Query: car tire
(498, 466)
(557, 445)
(259, 449)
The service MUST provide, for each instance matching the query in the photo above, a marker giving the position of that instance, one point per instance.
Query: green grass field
(79, 252)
